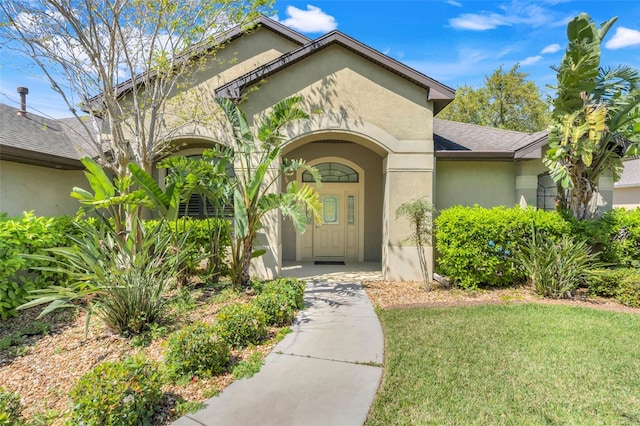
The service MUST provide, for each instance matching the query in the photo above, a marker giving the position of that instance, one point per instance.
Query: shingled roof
(38, 140)
(462, 140)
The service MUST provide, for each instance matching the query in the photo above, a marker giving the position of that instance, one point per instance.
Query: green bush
(198, 237)
(606, 282)
(629, 290)
(28, 235)
(277, 308)
(291, 287)
(241, 324)
(195, 350)
(122, 282)
(554, 268)
(117, 393)
(622, 242)
(476, 245)
(10, 408)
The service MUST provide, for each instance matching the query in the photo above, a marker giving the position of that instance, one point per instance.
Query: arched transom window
(332, 172)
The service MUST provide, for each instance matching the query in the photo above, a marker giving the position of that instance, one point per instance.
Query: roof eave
(459, 154)
(25, 156)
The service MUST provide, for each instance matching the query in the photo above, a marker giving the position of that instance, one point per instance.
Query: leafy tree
(259, 169)
(125, 60)
(596, 118)
(420, 215)
(506, 101)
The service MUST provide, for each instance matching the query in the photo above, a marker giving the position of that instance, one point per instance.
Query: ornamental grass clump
(117, 393)
(196, 350)
(555, 268)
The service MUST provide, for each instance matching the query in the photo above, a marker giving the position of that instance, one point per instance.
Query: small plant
(420, 214)
(629, 291)
(277, 308)
(248, 368)
(554, 268)
(606, 282)
(196, 351)
(117, 393)
(241, 324)
(185, 407)
(293, 288)
(10, 408)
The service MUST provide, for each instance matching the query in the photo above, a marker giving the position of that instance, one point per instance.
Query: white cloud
(624, 37)
(476, 22)
(552, 48)
(312, 20)
(530, 60)
(514, 13)
(454, 3)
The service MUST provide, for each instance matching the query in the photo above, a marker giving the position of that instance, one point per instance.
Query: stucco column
(407, 177)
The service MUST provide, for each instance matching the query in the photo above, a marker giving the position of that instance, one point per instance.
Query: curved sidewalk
(325, 372)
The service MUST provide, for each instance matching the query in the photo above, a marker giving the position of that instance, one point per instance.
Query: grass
(509, 364)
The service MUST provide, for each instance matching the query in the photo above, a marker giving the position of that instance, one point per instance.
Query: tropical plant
(555, 268)
(259, 168)
(119, 281)
(419, 213)
(596, 118)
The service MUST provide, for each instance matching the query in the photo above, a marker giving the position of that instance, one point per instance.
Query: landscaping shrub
(117, 393)
(629, 290)
(195, 350)
(606, 282)
(477, 245)
(10, 408)
(277, 308)
(241, 324)
(622, 245)
(28, 235)
(291, 287)
(199, 237)
(121, 280)
(554, 268)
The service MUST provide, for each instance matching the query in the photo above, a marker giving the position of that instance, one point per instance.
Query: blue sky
(457, 42)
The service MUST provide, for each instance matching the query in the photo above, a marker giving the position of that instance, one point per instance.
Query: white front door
(328, 236)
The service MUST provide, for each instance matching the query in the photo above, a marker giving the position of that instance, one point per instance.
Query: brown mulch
(411, 294)
(55, 361)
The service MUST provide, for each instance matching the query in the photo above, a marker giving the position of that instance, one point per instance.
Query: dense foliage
(506, 101)
(117, 393)
(10, 408)
(477, 245)
(28, 235)
(195, 350)
(241, 324)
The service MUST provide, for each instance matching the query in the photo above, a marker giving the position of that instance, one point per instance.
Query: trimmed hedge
(476, 245)
(28, 235)
(621, 245)
(629, 290)
(241, 324)
(195, 350)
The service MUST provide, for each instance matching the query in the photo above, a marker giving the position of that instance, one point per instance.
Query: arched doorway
(340, 233)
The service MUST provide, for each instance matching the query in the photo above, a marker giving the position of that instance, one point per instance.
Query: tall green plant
(596, 118)
(420, 215)
(554, 268)
(259, 169)
(118, 280)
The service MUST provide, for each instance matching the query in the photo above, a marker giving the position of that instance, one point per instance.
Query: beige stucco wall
(626, 197)
(486, 183)
(45, 190)
(371, 163)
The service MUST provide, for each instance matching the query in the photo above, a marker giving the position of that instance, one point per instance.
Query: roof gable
(439, 94)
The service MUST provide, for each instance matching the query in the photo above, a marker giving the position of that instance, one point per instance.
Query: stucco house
(376, 142)
(626, 192)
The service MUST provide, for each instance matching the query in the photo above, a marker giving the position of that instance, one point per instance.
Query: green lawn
(509, 364)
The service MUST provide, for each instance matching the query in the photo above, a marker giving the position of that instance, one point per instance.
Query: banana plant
(259, 169)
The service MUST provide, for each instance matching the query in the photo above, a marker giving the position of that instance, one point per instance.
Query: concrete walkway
(326, 372)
